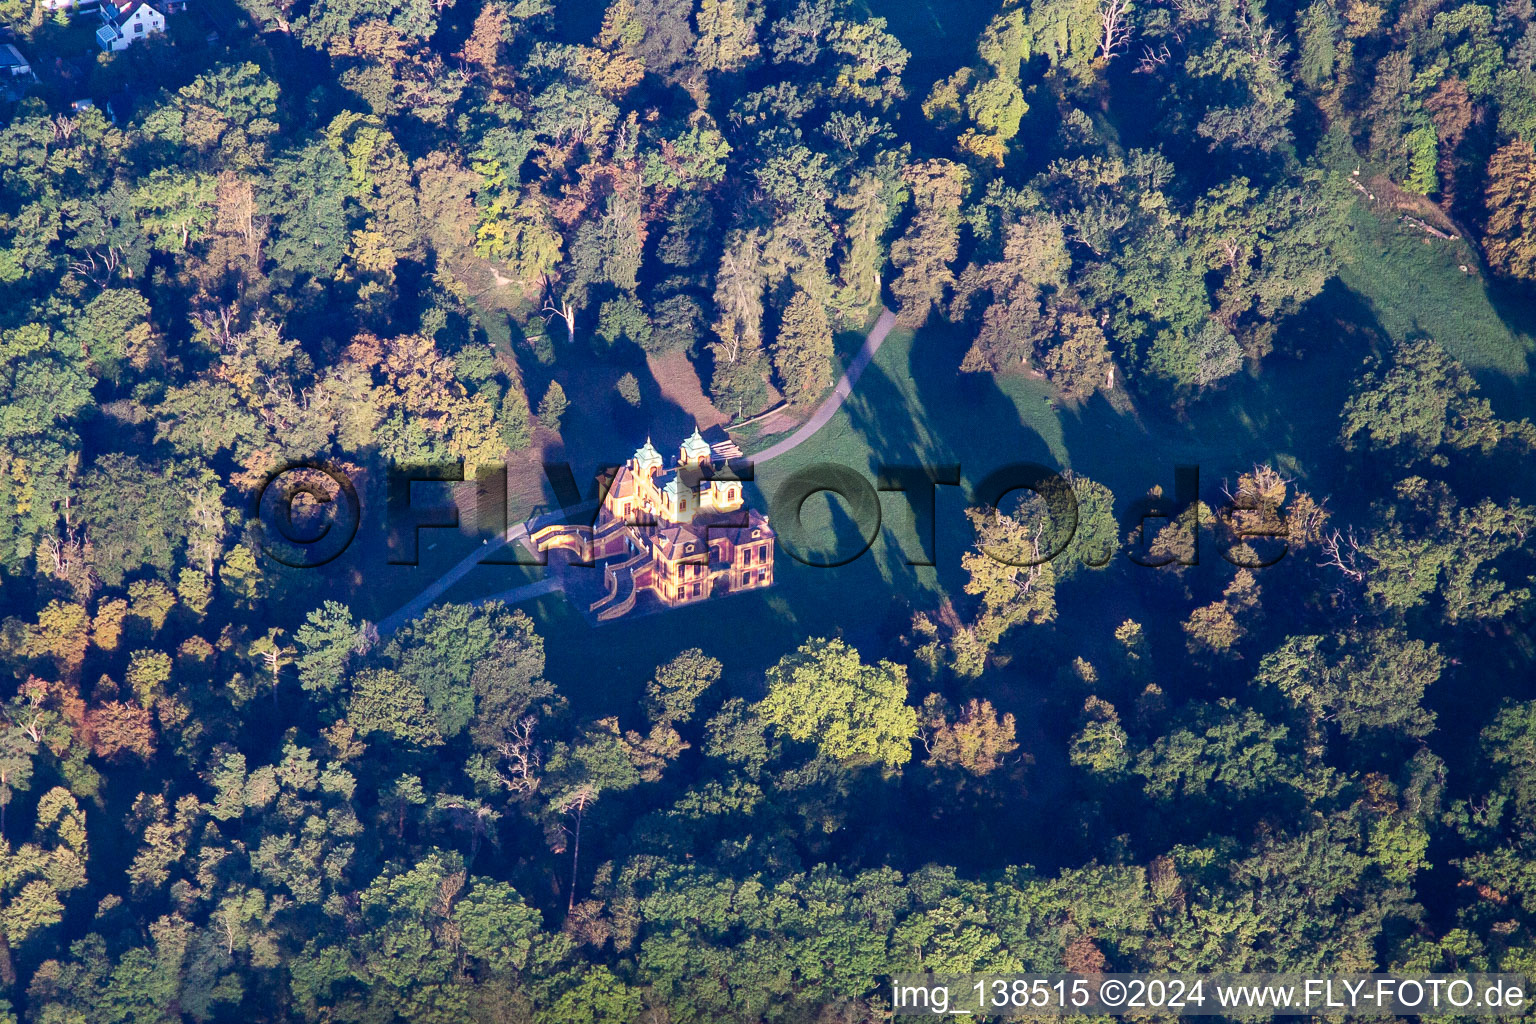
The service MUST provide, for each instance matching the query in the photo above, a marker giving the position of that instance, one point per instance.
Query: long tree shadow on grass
(600, 428)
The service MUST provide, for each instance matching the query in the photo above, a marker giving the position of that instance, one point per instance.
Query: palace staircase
(622, 591)
(566, 538)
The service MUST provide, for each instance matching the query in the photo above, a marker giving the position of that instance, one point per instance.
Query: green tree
(327, 642)
(628, 388)
(1011, 568)
(385, 701)
(35, 874)
(1357, 680)
(923, 254)
(1426, 402)
(1216, 750)
(727, 34)
(1426, 544)
(553, 405)
(825, 694)
(598, 762)
(802, 352)
(1100, 744)
(307, 199)
(135, 514)
(673, 692)
(175, 208)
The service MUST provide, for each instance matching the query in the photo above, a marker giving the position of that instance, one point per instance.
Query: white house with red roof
(125, 22)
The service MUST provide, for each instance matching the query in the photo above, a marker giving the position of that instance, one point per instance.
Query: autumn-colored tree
(1077, 358)
(976, 739)
(1451, 109)
(1510, 237)
(923, 254)
(1083, 956)
(484, 42)
(62, 634)
(118, 727)
(1215, 628)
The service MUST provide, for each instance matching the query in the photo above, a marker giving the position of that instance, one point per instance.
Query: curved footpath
(824, 412)
(422, 601)
(839, 394)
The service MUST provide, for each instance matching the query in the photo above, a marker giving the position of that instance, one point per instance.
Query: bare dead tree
(229, 926)
(1115, 22)
(565, 310)
(522, 759)
(1266, 480)
(1231, 250)
(1152, 59)
(99, 265)
(64, 553)
(575, 805)
(67, 558)
(1025, 581)
(1342, 552)
(1309, 525)
(218, 322)
(1263, 42)
(28, 716)
(1189, 12)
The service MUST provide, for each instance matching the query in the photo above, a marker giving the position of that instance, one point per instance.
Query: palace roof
(647, 453)
(696, 446)
(682, 540)
(623, 484)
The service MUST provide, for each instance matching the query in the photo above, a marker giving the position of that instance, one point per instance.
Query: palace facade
(679, 533)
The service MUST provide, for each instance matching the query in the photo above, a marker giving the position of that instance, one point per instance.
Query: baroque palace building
(681, 533)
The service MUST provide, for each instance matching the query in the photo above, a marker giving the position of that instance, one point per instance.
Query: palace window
(746, 558)
(695, 590)
(762, 576)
